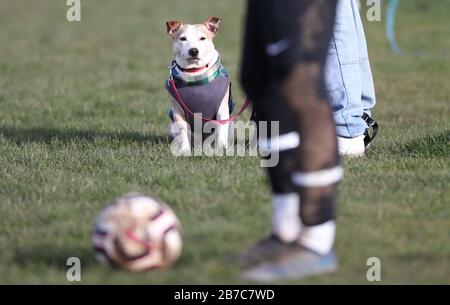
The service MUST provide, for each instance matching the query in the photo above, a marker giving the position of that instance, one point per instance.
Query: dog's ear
(172, 27)
(212, 24)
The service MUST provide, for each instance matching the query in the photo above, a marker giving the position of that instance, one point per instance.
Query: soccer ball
(137, 233)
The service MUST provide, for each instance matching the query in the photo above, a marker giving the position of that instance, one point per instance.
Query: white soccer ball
(137, 233)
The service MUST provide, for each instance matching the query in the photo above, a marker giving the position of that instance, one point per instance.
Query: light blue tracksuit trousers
(348, 74)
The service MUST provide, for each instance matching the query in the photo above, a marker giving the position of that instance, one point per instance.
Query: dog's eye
(202, 38)
(183, 38)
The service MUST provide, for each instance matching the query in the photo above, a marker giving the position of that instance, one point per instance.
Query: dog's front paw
(180, 147)
(223, 140)
(222, 143)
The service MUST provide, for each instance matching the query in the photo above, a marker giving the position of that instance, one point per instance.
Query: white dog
(201, 82)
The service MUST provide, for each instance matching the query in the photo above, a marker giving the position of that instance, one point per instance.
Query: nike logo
(276, 48)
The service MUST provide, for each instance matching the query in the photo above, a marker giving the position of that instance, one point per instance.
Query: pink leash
(185, 107)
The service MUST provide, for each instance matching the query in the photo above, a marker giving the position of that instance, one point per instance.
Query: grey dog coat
(202, 97)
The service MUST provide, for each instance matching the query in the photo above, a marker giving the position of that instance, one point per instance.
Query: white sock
(286, 217)
(319, 238)
(287, 226)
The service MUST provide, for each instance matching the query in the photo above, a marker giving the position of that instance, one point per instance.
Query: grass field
(83, 119)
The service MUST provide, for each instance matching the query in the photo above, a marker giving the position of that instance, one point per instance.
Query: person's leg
(349, 78)
(368, 96)
(343, 74)
(295, 36)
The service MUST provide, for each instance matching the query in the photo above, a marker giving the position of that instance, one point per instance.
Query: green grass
(82, 120)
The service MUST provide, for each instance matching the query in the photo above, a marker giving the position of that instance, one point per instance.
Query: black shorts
(279, 35)
(282, 33)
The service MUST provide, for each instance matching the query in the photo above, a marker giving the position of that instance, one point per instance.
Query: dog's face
(193, 43)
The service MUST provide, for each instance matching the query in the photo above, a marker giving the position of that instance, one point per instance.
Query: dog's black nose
(193, 52)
